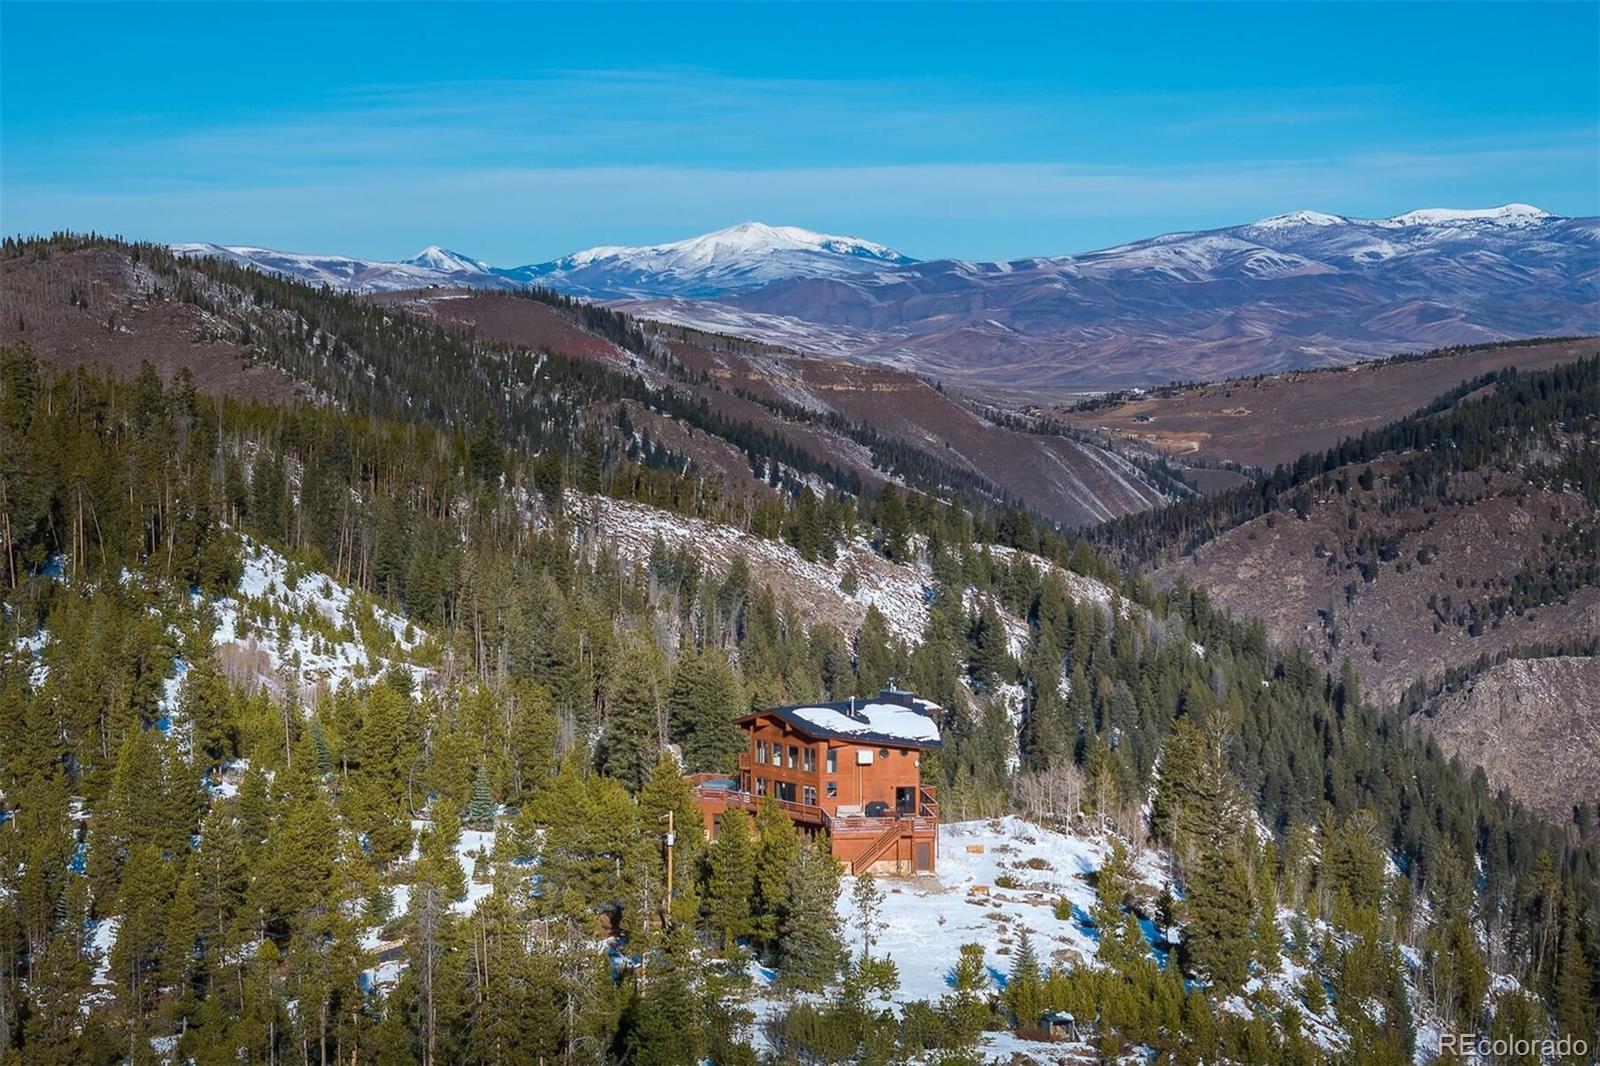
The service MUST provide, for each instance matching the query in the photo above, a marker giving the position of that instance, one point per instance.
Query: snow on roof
(889, 721)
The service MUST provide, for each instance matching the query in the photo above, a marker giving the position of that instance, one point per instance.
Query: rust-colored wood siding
(863, 774)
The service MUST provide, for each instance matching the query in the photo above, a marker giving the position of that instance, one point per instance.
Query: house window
(833, 760)
(883, 753)
(808, 759)
(833, 788)
(761, 751)
(794, 756)
(810, 794)
(761, 786)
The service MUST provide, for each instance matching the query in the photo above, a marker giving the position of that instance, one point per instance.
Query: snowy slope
(292, 628)
(433, 266)
(447, 262)
(901, 592)
(743, 256)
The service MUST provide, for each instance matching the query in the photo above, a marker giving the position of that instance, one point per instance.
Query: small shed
(1058, 1025)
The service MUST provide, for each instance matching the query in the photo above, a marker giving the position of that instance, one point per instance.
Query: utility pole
(672, 838)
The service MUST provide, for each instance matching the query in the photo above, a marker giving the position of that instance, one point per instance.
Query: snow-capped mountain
(1304, 288)
(739, 257)
(433, 266)
(1294, 290)
(745, 256)
(447, 262)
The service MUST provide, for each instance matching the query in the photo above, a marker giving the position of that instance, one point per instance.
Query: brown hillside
(1266, 421)
(97, 308)
(1392, 585)
(1534, 727)
(1071, 481)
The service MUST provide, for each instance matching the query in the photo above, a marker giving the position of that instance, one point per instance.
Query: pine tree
(966, 1007)
(438, 864)
(1117, 951)
(1268, 939)
(702, 702)
(893, 525)
(1217, 937)
(668, 792)
(731, 883)
(481, 809)
(632, 737)
(777, 843)
(1574, 1007)
(866, 899)
(810, 949)
(875, 660)
(1024, 993)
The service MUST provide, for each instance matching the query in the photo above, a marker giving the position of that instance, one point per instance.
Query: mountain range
(1294, 290)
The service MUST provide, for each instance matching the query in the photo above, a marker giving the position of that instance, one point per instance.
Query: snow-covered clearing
(927, 919)
(291, 625)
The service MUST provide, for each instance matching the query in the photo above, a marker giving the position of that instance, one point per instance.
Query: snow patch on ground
(102, 937)
(300, 626)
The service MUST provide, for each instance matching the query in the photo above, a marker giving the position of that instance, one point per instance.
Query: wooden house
(851, 768)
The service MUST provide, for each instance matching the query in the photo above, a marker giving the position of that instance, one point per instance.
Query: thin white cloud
(538, 212)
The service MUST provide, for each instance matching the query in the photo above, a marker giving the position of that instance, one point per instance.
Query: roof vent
(897, 696)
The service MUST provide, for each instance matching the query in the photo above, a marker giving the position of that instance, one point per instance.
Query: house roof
(894, 718)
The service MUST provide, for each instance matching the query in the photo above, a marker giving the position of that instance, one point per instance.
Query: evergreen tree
(810, 949)
(731, 882)
(777, 844)
(1574, 1005)
(704, 699)
(1024, 993)
(893, 525)
(633, 731)
(1217, 937)
(875, 660)
(481, 810)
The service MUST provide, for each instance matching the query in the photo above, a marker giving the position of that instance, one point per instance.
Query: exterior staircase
(875, 850)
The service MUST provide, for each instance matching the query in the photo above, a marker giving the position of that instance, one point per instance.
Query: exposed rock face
(1534, 727)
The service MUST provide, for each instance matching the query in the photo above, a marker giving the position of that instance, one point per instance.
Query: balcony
(925, 820)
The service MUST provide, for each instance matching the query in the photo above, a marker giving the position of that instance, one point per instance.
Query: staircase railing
(875, 850)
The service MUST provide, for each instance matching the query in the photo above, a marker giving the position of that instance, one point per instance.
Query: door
(924, 856)
(905, 800)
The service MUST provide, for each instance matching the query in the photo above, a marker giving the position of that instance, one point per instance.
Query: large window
(794, 756)
(833, 760)
(761, 786)
(761, 751)
(833, 788)
(808, 760)
(810, 796)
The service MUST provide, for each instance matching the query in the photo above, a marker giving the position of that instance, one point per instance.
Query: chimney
(897, 696)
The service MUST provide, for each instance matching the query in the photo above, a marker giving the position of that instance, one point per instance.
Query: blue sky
(516, 133)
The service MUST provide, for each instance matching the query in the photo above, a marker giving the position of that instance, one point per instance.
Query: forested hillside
(535, 368)
(457, 857)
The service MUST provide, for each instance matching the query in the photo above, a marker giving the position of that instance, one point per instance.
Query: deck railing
(926, 820)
